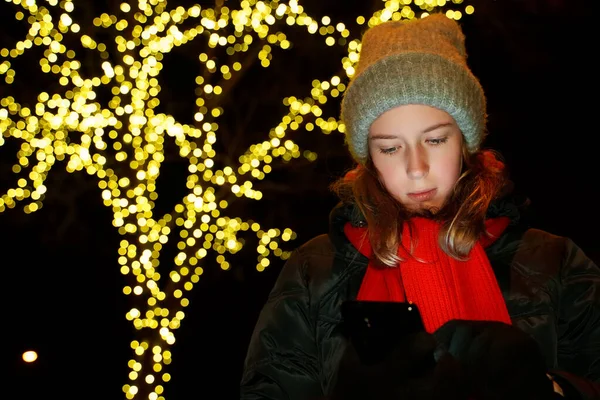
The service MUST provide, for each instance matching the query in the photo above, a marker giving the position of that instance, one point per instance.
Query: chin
(423, 209)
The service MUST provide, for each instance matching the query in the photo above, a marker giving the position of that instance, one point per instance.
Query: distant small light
(30, 356)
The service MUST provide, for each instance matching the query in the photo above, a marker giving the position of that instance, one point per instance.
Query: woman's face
(417, 151)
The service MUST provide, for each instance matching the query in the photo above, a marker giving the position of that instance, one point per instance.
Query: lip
(423, 195)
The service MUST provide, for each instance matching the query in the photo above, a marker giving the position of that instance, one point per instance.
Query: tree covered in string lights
(101, 115)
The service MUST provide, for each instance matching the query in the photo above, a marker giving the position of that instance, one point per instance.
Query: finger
(444, 333)
(461, 341)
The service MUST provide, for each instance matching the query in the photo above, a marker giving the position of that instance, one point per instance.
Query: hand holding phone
(391, 356)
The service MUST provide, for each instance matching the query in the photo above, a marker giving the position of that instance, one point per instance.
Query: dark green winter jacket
(552, 291)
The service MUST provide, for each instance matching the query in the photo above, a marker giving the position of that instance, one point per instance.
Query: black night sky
(62, 290)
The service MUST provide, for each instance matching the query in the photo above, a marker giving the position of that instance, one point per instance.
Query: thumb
(456, 337)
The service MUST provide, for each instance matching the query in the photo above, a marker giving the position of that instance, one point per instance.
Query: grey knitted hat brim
(413, 78)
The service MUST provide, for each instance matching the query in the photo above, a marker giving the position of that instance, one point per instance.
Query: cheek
(449, 170)
(388, 175)
(393, 180)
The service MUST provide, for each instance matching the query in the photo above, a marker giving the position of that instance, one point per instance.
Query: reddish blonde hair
(462, 217)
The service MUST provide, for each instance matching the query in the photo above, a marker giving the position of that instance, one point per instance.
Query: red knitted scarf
(443, 288)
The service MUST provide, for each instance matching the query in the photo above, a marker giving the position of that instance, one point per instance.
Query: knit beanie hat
(413, 62)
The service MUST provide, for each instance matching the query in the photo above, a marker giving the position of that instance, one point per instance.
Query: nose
(417, 166)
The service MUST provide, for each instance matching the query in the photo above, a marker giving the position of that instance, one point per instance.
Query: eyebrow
(427, 130)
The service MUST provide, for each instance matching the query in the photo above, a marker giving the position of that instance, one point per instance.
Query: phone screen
(374, 327)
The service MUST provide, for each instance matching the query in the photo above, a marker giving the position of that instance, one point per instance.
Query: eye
(388, 150)
(438, 141)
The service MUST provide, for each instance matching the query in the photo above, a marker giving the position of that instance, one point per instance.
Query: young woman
(429, 218)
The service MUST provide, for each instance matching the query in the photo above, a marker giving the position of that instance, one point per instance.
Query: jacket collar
(509, 204)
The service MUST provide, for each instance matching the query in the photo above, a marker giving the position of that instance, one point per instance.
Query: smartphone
(374, 327)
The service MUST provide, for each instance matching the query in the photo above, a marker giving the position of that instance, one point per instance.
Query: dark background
(62, 291)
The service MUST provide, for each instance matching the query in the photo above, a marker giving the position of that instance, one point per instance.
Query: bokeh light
(30, 356)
